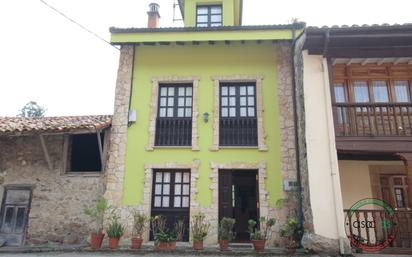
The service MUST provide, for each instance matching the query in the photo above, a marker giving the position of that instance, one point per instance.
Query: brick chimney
(153, 16)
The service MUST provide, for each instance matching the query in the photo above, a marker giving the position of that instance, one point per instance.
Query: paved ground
(107, 254)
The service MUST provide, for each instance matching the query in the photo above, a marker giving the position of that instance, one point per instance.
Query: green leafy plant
(179, 230)
(32, 109)
(200, 227)
(115, 228)
(292, 231)
(160, 231)
(265, 231)
(96, 214)
(140, 223)
(226, 229)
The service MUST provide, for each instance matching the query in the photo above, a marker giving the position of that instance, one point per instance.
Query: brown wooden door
(226, 193)
(14, 215)
(238, 199)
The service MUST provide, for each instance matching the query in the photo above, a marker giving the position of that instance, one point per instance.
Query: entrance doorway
(14, 214)
(238, 199)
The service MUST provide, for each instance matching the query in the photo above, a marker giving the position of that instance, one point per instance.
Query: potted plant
(165, 240)
(139, 227)
(226, 232)
(115, 229)
(199, 228)
(292, 232)
(96, 214)
(259, 236)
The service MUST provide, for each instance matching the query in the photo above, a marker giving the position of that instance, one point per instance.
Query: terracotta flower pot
(161, 246)
(113, 242)
(198, 245)
(172, 246)
(259, 245)
(290, 250)
(137, 242)
(224, 245)
(96, 240)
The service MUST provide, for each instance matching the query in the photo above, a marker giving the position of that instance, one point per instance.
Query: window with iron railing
(238, 121)
(174, 117)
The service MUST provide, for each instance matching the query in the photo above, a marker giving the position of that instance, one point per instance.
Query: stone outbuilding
(51, 168)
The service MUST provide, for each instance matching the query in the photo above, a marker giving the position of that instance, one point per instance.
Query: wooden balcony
(372, 227)
(373, 126)
(173, 132)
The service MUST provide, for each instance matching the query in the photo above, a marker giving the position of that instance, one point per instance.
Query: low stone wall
(58, 200)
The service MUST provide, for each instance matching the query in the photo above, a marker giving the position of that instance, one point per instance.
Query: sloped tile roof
(23, 126)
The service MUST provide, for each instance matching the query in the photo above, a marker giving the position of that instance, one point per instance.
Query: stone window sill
(83, 174)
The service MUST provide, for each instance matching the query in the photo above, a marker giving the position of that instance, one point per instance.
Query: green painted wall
(204, 61)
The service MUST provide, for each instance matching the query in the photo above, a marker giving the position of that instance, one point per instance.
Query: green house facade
(204, 119)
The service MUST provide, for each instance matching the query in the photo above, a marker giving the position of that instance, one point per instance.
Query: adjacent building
(204, 118)
(50, 170)
(355, 111)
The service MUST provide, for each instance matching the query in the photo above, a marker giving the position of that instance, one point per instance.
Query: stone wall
(287, 133)
(118, 136)
(58, 199)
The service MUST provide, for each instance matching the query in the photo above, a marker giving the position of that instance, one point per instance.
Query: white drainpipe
(333, 161)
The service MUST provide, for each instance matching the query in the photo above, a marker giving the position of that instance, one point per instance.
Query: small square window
(209, 16)
(84, 153)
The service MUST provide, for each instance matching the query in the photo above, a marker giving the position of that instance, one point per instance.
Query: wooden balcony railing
(173, 132)
(373, 119)
(238, 132)
(375, 226)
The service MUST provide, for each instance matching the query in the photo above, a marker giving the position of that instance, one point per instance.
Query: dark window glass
(238, 122)
(20, 219)
(84, 153)
(171, 189)
(174, 117)
(209, 16)
(400, 198)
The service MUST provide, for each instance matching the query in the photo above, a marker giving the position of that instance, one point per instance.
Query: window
(402, 94)
(84, 153)
(171, 197)
(174, 117)
(380, 91)
(209, 16)
(238, 123)
(361, 93)
(340, 97)
(340, 94)
(171, 189)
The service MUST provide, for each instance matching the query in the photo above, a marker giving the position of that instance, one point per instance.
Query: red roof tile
(22, 125)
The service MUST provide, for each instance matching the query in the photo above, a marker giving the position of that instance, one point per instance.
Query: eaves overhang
(189, 34)
(375, 41)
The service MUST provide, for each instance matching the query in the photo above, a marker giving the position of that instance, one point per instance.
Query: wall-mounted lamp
(205, 117)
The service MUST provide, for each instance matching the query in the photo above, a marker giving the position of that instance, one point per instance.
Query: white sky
(46, 58)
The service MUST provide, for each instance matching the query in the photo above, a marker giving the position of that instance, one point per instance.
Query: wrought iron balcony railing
(238, 132)
(173, 132)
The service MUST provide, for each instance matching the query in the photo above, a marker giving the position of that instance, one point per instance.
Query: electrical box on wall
(132, 116)
(289, 185)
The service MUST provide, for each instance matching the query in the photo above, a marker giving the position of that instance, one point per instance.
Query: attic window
(84, 154)
(209, 16)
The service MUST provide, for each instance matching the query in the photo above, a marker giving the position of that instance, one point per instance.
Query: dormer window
(209, 16)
